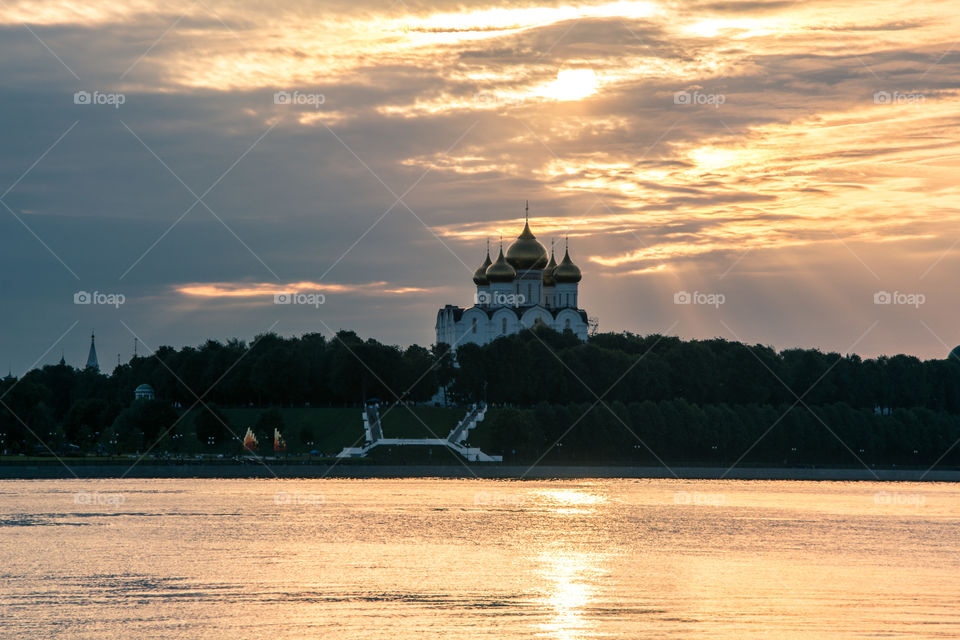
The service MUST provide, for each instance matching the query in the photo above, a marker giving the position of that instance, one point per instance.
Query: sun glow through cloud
(571, 84)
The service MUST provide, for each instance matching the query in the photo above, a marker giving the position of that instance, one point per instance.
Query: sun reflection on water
(568, 572)
(569, 501)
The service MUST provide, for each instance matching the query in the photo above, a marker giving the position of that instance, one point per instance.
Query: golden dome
(548, 279)
(480, 275)
(501, 271)
(566, 271)
(526, 252)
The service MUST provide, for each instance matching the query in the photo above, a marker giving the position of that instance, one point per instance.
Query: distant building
(144, 392)
(515, 292)
(92, 363)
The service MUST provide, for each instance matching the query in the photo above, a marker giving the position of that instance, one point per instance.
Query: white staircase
(456, 438)
(460, 432)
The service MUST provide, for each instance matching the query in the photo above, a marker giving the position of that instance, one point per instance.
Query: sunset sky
(795, 157)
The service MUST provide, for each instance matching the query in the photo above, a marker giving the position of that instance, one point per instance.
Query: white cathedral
(515, 292)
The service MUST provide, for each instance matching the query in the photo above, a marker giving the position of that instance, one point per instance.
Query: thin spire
(526, 211)
(92, 362)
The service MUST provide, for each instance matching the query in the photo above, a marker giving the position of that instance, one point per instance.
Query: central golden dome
(526, 252)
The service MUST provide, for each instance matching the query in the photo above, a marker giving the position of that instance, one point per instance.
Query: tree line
(677, 432)
(533, 366)
(711, 379)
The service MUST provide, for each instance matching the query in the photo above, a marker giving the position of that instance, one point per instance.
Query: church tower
(567, 277)
(523, 287)
(92, 362)
(529, 258)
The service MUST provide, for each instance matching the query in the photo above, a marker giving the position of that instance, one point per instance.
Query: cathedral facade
(515, 292)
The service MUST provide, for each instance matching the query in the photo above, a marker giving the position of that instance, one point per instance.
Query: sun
(571, 84)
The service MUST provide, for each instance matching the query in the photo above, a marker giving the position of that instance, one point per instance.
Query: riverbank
(255, 470)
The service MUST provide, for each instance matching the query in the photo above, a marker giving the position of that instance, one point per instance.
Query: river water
(428, 558)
